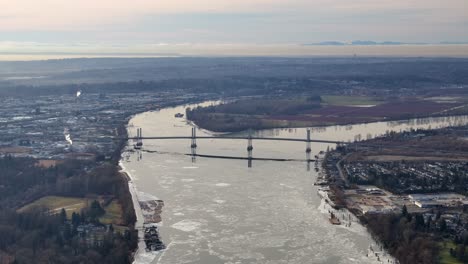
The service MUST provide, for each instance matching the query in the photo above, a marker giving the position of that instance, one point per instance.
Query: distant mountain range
(370, 42)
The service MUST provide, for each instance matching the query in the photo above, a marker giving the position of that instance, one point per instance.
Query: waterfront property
(439, 200)
(371, 200)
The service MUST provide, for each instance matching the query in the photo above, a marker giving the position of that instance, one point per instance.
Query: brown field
(15, 150)
(411, 108)
(340, 110)
(350, 114)
(387, 110)
(48, 163)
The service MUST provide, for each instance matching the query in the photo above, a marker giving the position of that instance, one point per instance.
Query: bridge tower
(194, 138)
(308, 149)
(139, 140)
(249, 145)
(250, 149)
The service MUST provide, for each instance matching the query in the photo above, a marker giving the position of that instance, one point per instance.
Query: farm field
(329, 110)
(350, 100)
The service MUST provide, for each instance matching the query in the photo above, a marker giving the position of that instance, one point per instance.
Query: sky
(160, 22)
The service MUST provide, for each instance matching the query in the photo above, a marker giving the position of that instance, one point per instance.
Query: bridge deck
(247, 158)
(243, 138)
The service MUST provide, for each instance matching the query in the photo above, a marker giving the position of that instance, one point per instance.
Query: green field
(56, 203)
(72, 205)
(350, 100)
(113, 214)
(445, 257)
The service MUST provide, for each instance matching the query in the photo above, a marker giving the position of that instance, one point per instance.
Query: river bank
(222, 210)
(387, 208)
(140, 256)
(350, 222)
(151, 214)
(261, 113)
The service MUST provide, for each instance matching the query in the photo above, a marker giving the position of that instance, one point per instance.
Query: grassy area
(349, 100)
(445, 257)
(56, 203)
(113, 214)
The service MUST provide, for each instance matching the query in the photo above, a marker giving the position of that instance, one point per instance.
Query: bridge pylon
(249, 145)
(139, 140)
(308, 147)
(194, 138)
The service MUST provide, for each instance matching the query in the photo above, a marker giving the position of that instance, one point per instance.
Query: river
(222, 211)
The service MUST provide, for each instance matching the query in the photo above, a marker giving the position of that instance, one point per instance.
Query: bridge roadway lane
(244, 138)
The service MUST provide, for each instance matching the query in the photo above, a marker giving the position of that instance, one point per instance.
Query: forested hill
(42, 235)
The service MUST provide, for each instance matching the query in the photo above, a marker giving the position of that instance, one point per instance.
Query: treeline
(36, 236)
(460, 249)
(250, 114)
(446, 139)
(405, 236)
(413, 239)
(22, 181)
(262, 107)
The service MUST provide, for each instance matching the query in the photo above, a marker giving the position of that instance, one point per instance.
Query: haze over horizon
(231, 22)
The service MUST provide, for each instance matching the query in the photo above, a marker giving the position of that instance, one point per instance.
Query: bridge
(193, 145)
(244, 138)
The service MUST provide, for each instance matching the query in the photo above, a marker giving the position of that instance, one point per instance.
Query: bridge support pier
(193, 145)
(194, 155)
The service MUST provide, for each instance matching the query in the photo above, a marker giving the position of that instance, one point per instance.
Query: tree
(460, 252)
(404, 211)
(76, 219)
(63, 216)
(95, 210)
(442, 225)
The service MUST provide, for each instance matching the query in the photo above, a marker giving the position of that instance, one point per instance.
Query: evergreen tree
(404, 211)
(63, 216)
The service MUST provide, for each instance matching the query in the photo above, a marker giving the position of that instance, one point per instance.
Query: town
(399, 174)
(82, 126)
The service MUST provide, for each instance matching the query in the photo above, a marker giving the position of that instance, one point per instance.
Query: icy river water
(221, 211)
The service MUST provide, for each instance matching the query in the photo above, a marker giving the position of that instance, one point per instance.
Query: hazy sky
(231, 21)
